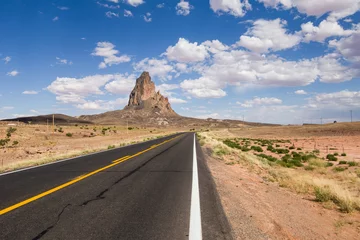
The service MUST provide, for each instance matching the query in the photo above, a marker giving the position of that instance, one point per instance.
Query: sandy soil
(258, 209)
(36, 142)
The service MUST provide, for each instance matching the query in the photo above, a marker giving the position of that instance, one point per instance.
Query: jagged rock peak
(144, 96)
(143, 90)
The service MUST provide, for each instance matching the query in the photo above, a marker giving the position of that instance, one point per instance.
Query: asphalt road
(142, 191)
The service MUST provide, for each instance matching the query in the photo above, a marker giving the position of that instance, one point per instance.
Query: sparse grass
(353, 164)
(257, 148)
(339, 169)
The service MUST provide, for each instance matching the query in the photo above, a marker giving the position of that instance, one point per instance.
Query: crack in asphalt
(100, 195)
(40, 235)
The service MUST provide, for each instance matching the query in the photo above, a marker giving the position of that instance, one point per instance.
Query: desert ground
(34, 144)
(288, 182)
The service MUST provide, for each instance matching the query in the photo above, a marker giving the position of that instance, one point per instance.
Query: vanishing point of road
(160, 189)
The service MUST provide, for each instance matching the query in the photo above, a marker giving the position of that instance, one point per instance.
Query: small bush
(268, 157)
(282, 151)
(339, 169)
(299, 149)
(277, 145)
(342, 162)
(15, 143)
(257, 148)
(322, 194)
(343, 154)
(3, 142)
(231, 144)
(352, 164)
(69, 134)
(292, 147)
(332, 148)
(336, 154)
(329, 164)
(111, 146)
(60, 130)
(331, 157)
(316, 151)
(131, 128)
(309, 168)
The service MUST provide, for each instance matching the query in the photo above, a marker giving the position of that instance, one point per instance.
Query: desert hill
(145, 108)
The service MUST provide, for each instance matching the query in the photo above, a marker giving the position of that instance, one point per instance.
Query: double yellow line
(79, 178)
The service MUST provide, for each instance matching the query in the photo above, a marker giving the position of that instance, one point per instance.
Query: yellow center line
(77, 179)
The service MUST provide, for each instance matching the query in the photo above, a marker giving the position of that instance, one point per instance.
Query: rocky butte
(144, 97)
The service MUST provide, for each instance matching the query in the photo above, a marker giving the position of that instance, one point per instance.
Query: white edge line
(195, 231)
(67, 159)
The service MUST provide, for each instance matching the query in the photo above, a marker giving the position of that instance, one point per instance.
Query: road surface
(160, 189)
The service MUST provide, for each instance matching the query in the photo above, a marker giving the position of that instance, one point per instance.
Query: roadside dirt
(258, 209)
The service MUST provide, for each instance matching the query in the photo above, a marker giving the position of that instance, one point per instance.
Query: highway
(160, 189)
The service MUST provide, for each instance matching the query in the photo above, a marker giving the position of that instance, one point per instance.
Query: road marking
(122, 159)
(195, 232)
(77, 179)
(64, 160)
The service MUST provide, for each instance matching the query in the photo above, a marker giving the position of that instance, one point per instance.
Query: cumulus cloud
(348, 47)
(121, 84)
(336, 9)
(174, 100)
(127, 13)
(325, 30)
(13, 73)
(183, 8)
(186, 52)
(260, 101)
(203, 88)
(236, 8)
(165, 89)
(300, 92)
(341, 99)
(75, 90)
(215, 46)
(157, 68)
(7, 59)
(109, 53)
(30, 92)
(134, 3)
(266, 35)
(102, 104)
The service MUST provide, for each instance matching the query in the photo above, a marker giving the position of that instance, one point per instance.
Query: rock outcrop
(144, 97)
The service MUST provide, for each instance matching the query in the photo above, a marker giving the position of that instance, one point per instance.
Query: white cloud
(134, 3)
(34, 111)
(113, 1)
(339, 99)
(127, 13)
(203, 88)
(267, 35)
(63, 61)
(63, 8)
(211, 115)
(186, 52)
(183, 8)
(325, 30)
(348, 20)
(7, 59)
(103, 105)
(156, 68)
(110, 14)
(160, 5)
(108, 6)
(55, 19)
(174, 100)
(236, 8)
(165, 89)
(75, 90)
(260, 101)
(147, 17)
(215, 46)
(12, 73)
(348, 47)
(83, 38)
(300, 92)
(336, 9)
(121, 84)
(30, 92)
(108, 51)
(6, 108)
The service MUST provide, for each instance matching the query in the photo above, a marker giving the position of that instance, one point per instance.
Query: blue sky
(278, 61)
